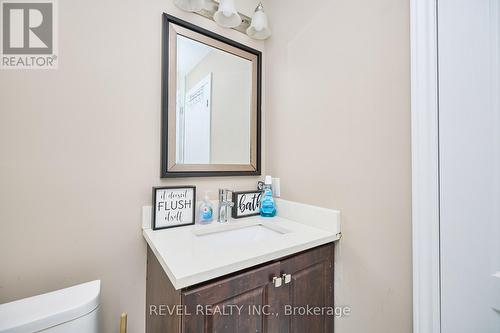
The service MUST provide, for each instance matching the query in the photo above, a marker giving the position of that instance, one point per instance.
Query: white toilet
(70, 310)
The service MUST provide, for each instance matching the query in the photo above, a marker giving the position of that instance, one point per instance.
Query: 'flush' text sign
(173, 206)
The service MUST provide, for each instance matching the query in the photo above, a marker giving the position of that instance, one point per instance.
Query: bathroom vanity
(253, 275)
(248, 300)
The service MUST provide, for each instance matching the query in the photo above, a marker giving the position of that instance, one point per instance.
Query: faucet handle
(224, 192)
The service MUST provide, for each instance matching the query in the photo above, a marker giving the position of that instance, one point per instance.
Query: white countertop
(189, 258)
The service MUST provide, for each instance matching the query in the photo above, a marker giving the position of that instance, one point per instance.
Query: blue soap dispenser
(267, 204)
(206, 211)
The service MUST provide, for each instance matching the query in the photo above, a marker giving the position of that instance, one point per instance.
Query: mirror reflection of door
(194, 109)
(197, 123)
(214, 91)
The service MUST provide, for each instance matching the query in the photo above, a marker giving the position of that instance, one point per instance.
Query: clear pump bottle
(206, 211)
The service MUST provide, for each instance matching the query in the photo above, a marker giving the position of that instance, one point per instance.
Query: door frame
(425, 166)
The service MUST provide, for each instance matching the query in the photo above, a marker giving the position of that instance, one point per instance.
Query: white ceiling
(189, 53)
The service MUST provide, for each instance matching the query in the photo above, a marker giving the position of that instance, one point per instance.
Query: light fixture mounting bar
(210, 9)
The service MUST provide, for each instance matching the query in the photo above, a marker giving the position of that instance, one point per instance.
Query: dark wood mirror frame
(169, 169)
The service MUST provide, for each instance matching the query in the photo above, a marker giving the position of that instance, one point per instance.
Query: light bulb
(259, 28)
(226, 15)
(190, 5)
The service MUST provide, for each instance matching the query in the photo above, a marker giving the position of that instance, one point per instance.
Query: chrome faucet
(224, 205)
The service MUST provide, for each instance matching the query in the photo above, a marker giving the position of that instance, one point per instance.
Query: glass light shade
(190, 5)
(259, 28)
(226, 15)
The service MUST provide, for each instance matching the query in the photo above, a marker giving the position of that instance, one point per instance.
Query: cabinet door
(311, 287)
(237, 304)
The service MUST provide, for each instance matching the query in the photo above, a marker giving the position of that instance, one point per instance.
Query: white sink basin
(240, 232)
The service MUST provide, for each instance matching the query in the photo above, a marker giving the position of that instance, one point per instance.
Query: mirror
(211, 104)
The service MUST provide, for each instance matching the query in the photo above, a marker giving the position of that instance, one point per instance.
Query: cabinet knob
(287, 278)
(277, 281)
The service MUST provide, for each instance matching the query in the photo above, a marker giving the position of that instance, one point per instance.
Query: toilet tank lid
(40, 312)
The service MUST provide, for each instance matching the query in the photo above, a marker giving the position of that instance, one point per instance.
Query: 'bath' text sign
(173, 206)
(246, 203)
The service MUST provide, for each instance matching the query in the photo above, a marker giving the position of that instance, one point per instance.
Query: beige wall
(338, 135)
(79, 152)
(79, 149)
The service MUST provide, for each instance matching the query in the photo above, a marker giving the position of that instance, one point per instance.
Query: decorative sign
(173, 206)
(246, 203)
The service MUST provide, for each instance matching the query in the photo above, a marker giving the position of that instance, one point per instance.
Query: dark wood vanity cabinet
(248, 301)
(311, 285)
